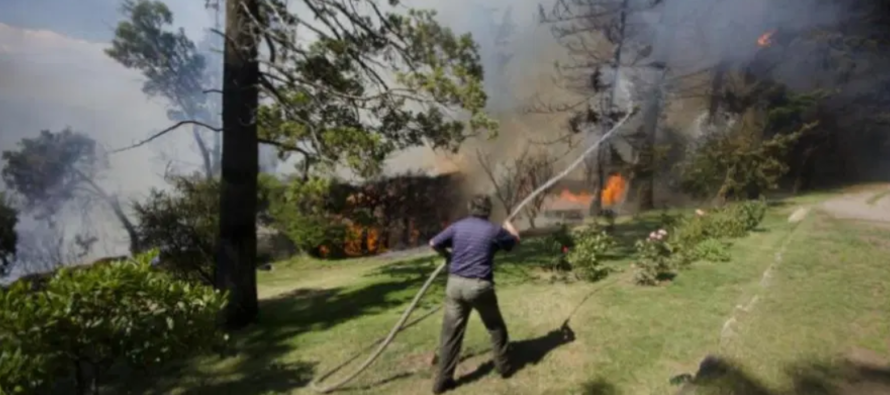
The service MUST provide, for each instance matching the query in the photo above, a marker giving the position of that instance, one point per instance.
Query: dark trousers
(461, 296)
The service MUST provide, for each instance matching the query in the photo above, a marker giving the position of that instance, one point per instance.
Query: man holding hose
(473, 242)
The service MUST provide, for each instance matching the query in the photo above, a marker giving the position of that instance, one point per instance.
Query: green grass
(827, 296)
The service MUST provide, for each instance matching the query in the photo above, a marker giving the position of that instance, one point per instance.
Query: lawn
(825, 295)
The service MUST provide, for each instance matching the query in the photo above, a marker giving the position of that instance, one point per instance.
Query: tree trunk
(236, 248)
(206, 154)
(115, 205)
(135, 244)
(716, 90)
(652, 114)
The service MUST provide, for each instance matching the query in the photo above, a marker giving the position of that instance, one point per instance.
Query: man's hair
(480, 206)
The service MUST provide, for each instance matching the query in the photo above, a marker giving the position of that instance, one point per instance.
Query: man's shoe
(505, 373)
(444, 386)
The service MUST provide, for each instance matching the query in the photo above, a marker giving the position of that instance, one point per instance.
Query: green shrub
(731, 221)
(300, 210)
(183, 223)
(586, 257)
(752, 212)
(560, 243)
(654, 259)
(712, 250)
(736, 220)
(87, 320)
(725, 223)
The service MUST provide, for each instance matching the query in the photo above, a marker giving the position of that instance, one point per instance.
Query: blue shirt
(473, 243)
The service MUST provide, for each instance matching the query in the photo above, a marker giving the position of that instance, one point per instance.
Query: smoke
(53, 74)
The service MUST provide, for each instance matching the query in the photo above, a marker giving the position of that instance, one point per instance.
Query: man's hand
(441, 251)
(508, 226)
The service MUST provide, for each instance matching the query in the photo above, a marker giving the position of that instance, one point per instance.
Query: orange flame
(612, 193)
(614, 190)
(355, 239)
(582, 197)
(766, 39)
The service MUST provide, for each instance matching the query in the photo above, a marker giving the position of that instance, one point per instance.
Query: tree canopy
(52, 169)
(369, 85)
(174, 68)
(57, 168)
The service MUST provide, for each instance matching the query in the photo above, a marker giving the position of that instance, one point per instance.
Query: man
(473, 242)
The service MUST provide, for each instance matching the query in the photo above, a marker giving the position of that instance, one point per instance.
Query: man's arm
(442, 241)
(508, 237)
(508, 226)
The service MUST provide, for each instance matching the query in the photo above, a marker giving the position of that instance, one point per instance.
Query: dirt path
(871, 205)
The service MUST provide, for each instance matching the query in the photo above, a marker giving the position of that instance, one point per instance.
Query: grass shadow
(721, 376)
(599, 387)
(524, 353)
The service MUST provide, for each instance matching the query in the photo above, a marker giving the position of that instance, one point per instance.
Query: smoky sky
(53, 73)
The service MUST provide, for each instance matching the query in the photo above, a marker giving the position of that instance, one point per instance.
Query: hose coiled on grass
(316, 384)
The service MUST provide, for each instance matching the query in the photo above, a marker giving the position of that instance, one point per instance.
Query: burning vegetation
(392, 213)
(613, 193)
(766, 39)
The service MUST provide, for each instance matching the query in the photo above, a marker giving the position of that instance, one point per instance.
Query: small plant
(654, 264)
(586, 258)
(712, 250)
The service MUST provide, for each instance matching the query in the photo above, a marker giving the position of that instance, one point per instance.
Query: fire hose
(316, 384)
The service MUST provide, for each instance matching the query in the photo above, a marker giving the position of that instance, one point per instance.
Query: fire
(766, 39)
(614, 190)
(612, 193)
(356, 236)
(582, 197)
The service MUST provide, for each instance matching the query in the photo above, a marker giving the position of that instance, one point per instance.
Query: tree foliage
(752, 156)
(52, 169)
(302, 210)
(57, 168)
(172, 65)
(368, 86)
(183, 223)
(8, 237)
(84, 321)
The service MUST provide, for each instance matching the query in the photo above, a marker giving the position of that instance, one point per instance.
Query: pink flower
(662, 232)
(699, 212)
(653, 235)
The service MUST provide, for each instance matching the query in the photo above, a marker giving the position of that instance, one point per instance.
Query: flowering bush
(654, 262)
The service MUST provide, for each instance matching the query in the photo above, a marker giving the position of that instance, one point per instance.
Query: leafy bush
(654, 262)
(712, 250)
(86, 320)
(585, 258)
(560, 242)
(183, 223)
(751, 212)
(300, 210)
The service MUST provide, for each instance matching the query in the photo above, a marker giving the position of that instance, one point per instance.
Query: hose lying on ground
(315, 385)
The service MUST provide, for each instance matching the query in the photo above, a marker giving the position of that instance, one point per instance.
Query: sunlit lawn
(828, 295)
